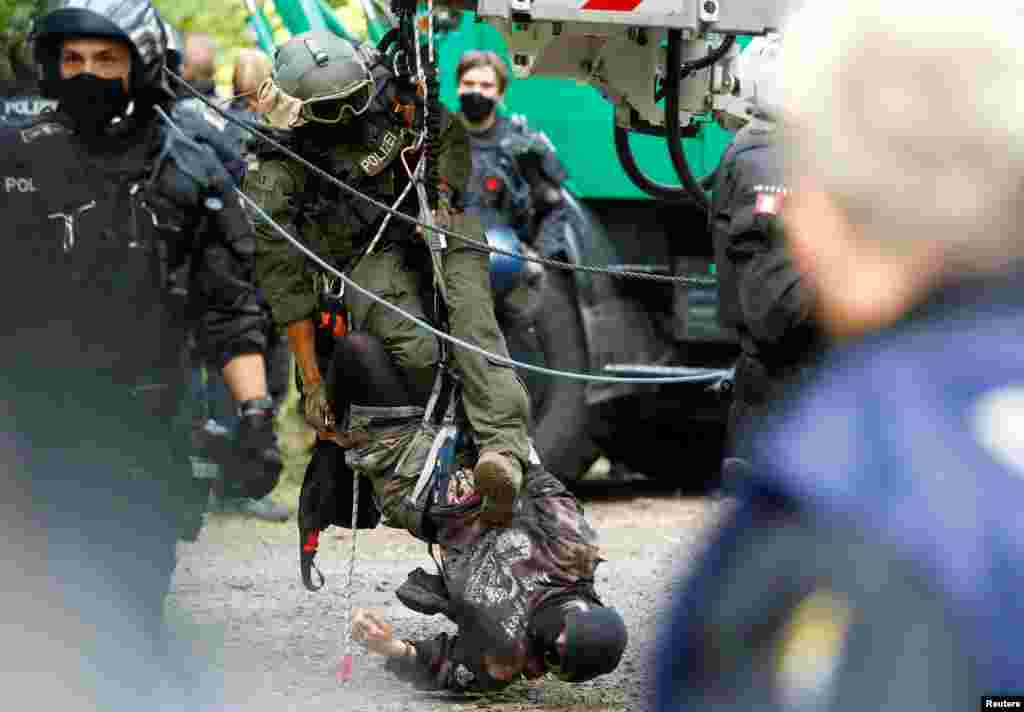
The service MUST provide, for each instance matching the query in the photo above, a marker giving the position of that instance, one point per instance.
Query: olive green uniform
(338, 227)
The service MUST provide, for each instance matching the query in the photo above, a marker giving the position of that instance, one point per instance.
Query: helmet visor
(333, 109)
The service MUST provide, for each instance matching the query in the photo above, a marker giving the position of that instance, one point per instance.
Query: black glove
(251, 464)
(189, 174)
(257, 442)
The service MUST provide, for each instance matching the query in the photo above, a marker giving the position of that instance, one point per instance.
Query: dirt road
(279, 646)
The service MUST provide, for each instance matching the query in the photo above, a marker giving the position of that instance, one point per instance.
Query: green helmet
(327, 73)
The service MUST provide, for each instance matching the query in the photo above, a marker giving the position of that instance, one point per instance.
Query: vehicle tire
(561, 418)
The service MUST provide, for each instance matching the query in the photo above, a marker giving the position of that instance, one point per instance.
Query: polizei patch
(381, 157)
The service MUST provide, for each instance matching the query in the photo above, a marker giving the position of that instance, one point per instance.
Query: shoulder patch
(40, 130)
(387, 149)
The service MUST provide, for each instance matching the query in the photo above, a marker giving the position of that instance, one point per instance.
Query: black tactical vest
(95, 270)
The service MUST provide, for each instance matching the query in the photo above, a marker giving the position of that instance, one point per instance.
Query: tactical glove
(260, 454)
(316, 407)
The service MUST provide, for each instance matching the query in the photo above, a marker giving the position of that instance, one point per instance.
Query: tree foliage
(16, 15)
(225, 21)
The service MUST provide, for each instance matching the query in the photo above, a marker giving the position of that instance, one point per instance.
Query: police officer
(20, 101)
(761, 293)
(517, 177)
(355, 121)
(874, 558)
(215, 419)
(102, 201)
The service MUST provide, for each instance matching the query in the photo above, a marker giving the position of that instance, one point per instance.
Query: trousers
(494, 397)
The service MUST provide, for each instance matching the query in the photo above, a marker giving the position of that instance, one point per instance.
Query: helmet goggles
(340, 106)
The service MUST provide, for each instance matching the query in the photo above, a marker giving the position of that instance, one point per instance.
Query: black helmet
(595, 637)
(133, 21)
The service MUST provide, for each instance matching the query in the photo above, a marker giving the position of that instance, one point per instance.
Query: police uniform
(517, 180)
(366, 155)
(761, 293)
(93, 225)
(20, 102)
(875, 558)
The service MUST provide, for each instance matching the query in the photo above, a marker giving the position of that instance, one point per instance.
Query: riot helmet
(595, 637)
(135, 22)
(329, 75)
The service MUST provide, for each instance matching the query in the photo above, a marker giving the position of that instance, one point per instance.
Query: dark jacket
(91, 239)
(761, 293)
(898, 475)
(516, 182)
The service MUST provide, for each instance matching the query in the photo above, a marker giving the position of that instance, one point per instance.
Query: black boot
(425, 593)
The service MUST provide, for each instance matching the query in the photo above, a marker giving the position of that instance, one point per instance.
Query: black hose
(389, 38)
(709, 59)
(702, 63)
(673, 133)
(661, 191)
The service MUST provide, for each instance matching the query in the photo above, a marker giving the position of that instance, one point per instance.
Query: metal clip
(69, 223)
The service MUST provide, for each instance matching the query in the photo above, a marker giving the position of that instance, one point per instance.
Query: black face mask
(92, 102)
(314, 136)
(476, 107)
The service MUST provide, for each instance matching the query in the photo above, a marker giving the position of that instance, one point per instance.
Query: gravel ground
(237, 590)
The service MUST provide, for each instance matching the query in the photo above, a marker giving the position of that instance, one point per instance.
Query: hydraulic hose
(661, 191)
(691, 188)
(711, 57)
(673, 133)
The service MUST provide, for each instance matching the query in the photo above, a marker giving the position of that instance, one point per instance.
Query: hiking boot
(498, 479)
(424, 593)
(265, 508)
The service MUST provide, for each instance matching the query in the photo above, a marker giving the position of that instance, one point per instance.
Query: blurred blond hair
(252, 68)
(910, 116)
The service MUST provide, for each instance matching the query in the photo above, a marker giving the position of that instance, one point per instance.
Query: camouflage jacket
(335, 224)
(497, 578)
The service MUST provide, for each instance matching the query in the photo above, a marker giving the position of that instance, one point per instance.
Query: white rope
(496, 358)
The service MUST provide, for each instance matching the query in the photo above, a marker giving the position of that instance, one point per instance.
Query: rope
(473, 242)
(494, 358)
(348, 645)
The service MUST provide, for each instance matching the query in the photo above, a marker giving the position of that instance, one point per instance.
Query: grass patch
(547, 693)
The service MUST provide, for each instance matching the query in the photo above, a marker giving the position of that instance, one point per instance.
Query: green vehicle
(597, 322)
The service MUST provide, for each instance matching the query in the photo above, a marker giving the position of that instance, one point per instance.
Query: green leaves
(16, 15)
(225, 20)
